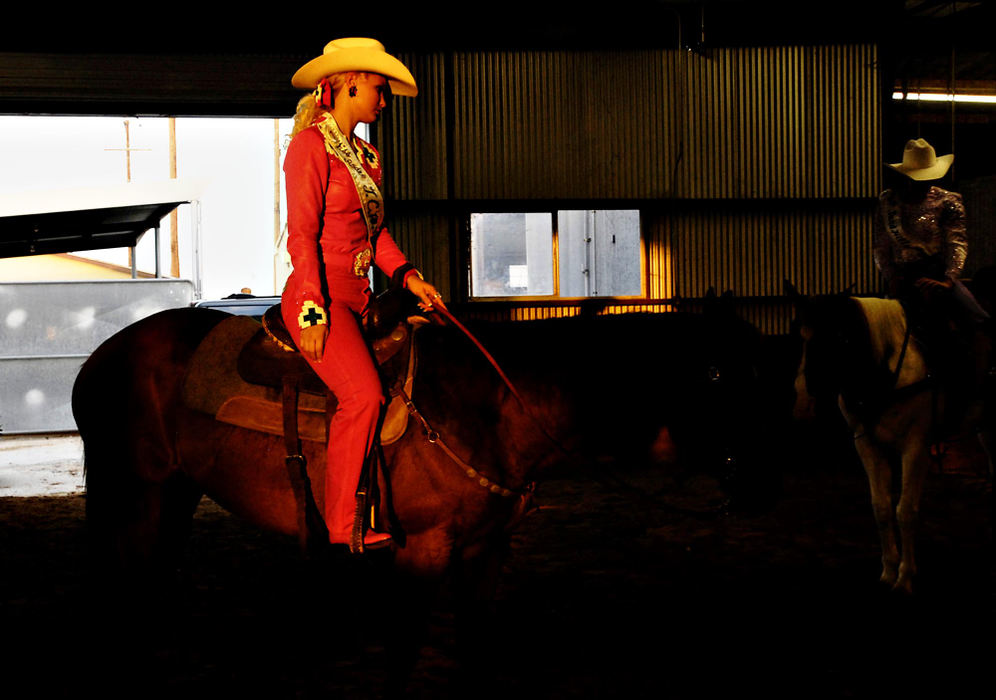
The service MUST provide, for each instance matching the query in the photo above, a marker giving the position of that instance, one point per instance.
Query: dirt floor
(603, 597)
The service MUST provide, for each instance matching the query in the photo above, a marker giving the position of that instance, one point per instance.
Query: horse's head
(821, 325)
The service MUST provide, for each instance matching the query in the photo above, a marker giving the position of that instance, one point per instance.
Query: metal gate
(48, 329)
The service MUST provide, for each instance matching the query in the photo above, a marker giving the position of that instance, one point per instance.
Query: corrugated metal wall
(753, 250)
(561, 125)
(784, 122)
(413, 135)
(750, 165)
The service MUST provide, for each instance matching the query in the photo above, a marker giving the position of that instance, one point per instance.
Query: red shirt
(325, 222)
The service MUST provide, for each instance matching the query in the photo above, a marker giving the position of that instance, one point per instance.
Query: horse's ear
(709, 301)
(717, 304)
(800, 302)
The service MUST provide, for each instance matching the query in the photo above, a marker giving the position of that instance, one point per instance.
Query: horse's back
(149, 355)
(171, 329)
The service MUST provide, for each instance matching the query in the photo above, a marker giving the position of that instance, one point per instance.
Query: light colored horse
(859, 351)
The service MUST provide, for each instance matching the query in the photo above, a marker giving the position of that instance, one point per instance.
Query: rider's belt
(362, 262)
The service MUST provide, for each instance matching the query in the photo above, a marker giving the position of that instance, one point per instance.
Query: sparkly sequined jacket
(327, 233)
(910, 238)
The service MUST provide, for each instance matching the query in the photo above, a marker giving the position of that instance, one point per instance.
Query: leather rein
(526, 492)
(434, 437)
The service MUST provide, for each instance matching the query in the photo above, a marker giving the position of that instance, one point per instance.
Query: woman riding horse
(920, 247)
(335, 232)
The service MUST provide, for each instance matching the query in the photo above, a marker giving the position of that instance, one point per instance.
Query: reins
(610, 480)
(434, 437)
(494, 363)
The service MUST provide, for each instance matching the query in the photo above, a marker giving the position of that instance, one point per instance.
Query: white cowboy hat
(359, 54)
(921, 163)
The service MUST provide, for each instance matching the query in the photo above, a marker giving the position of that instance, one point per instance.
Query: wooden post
(276, 205)
(174, 240)
(131, 250)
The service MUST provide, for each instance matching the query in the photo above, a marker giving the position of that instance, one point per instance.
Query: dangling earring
(323, 94)
(352, 91)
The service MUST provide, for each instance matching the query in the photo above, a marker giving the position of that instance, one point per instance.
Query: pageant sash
(371, 199)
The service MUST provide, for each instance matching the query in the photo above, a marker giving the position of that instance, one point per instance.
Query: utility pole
(128, 149)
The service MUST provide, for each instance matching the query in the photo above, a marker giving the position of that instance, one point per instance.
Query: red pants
(347, 368)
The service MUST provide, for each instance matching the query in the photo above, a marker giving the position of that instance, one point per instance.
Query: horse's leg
(121, 509)
(179, 499)
(138, 505)
(476, 587)
(879, 473)
(985, 438)
(138, 526)
(420, 567)
(985, 426)
(915, 462)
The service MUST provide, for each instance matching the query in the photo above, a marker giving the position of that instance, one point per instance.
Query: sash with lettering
(371, 199)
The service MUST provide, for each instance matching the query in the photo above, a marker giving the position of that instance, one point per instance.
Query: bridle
(434, 438)
(526, 492)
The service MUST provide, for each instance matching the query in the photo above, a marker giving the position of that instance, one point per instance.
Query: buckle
(362, 262)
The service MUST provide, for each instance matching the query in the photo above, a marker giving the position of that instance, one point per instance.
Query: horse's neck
(889, 343)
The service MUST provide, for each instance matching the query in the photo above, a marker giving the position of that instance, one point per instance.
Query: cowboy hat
(921, 163)
(359, 54)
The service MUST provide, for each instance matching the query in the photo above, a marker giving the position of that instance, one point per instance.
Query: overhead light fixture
(943, 97)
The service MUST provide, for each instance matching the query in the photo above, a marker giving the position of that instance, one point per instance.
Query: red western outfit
(327, 237)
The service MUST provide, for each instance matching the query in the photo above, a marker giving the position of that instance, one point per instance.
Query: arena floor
(601, 597)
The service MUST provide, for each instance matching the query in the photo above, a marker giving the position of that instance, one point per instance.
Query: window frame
(555, 297)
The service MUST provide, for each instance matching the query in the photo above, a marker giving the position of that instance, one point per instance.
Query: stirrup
(371, 540)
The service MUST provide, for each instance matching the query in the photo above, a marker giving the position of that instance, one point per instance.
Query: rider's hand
(930, 287)
(427, 294)
(313, 341)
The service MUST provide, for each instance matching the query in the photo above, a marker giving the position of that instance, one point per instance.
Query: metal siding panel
(541, 125)
(780, 129)
(751, 252)
(786, 122)
(425, 240)
(412, 135)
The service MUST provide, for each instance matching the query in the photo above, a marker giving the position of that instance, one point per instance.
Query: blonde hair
(307, 107)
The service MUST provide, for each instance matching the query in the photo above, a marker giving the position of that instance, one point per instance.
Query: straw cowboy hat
(921, 163)
(359, 54)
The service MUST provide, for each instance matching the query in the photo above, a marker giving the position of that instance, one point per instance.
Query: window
(565, 254)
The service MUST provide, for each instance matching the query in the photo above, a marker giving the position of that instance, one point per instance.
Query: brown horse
(593, 387)
(859, 353)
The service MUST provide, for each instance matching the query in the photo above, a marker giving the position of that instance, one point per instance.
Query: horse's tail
(109, 487)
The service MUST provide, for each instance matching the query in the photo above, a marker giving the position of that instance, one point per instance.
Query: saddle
(239, 370)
